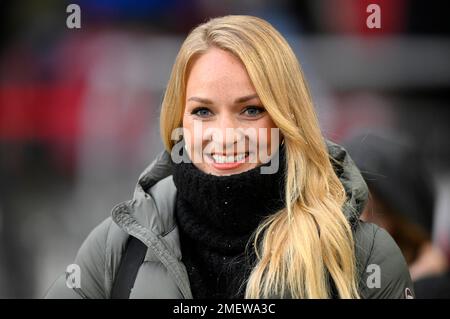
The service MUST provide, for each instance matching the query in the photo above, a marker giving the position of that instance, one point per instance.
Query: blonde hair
(307, 243)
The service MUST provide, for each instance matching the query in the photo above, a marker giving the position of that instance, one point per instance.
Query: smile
(221, 159)
(222, 162)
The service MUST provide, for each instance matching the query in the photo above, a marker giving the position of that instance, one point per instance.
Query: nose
(229, 133)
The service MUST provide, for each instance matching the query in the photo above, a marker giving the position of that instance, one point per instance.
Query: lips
(225, 163)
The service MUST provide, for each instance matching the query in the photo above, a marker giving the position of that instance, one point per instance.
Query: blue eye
(254, 110)
(201, 112)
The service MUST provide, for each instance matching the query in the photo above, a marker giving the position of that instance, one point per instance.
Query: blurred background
(79, 112)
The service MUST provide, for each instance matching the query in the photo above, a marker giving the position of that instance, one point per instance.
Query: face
(225, 126)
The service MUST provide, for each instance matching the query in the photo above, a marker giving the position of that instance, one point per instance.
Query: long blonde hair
(307, 243)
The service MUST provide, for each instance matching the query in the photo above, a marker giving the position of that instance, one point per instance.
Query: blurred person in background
(210, 230)
(402, 201)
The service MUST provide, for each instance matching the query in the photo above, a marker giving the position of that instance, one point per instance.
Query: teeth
(228, 159)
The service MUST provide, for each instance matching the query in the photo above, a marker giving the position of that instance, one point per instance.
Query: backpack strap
(131, 260)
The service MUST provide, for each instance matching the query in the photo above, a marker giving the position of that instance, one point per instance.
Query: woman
(221, 222)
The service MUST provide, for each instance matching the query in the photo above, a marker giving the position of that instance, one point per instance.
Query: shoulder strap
(131, 260)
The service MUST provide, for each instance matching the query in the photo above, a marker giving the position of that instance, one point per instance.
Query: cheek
(267, 132)
(192, 134)
(188, 128)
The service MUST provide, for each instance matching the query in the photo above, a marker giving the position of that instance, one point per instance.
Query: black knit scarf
(216, 216)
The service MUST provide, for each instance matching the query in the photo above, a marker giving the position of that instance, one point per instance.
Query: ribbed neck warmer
(216, 216)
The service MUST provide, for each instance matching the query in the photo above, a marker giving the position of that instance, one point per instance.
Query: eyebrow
(238, 100)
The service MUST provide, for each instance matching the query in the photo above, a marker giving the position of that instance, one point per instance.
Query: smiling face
(225, 125)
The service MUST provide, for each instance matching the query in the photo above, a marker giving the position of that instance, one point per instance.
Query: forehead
(218, 70)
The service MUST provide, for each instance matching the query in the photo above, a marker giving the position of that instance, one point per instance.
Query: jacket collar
(352, 180)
